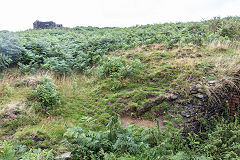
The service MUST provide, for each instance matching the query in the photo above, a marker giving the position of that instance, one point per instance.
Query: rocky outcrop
(161, 98)
(209, 102)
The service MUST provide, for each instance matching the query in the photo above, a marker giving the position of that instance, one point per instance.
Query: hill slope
(172, 75)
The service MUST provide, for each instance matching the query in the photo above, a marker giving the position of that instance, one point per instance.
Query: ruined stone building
(43, 25)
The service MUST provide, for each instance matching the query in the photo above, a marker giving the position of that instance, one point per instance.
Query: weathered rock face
(208, 104)
(158, 100)
(43, 25)
(203, 103)
(234, 103)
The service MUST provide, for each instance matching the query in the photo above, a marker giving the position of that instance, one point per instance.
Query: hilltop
(146, 92)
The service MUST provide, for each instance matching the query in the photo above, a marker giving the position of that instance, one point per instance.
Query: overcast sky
(18, 15)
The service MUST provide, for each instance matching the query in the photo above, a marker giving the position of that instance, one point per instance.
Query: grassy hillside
(144, 92)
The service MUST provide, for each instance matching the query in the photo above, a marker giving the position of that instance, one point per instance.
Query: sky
(17, 15)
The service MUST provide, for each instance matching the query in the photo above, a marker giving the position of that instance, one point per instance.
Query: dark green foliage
(67, 50)
(58, 66)
(10, 49)
(5, 61)
(227, 27)
(18, 152)
(222, 142)
(7, 152)
(47, 95)
(10, 45)
(117, 69)
(28, 68)
(115, 139)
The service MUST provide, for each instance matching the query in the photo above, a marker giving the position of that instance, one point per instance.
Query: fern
(5, 61)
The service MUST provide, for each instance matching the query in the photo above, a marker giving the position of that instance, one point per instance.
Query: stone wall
(44, 25)
(212, 101)
(234, 104)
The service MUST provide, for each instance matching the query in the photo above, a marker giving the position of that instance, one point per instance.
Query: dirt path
(12, 109)
(126, 120)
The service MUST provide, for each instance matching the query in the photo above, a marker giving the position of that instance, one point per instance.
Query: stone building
(43, 25)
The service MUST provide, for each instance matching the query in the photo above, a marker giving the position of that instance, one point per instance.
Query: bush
(38, 154)
(60, 67)
(118, 69)
(118, 142)
(92, 144)
(223, 142)
(63, 51)
(6, 90)
(11, 49)
(7, 152)
(28, 68)
(115, 142)
(5, 61)
(18, 152)
(47, 95)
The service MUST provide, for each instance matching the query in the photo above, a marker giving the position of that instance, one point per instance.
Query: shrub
(60, 67)
(40, 154)
(81, 61)
(18, 152)
(47, 95)
(28, 68)
(7, 152)
(6, 90)
(118, 69)
(118, 142)
(5, 61)
(11, 46)
(223, 142)
(11, 49)
(75, 49)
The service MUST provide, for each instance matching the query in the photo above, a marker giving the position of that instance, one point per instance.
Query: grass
(86, 101)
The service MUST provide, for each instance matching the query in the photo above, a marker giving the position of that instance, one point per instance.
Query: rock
(64, 156)
(174, 97)
(200, 96)
(195, 88)
(212, 83)
(200, 90)
(147, 106)
(193, 92)
(198, 86)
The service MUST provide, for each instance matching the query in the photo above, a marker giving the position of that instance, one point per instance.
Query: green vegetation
(46, 94)
(10, 152)
(77, 90)
(65, 50)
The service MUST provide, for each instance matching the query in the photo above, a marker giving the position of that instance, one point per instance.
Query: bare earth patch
(12, 109)
(126, 120)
